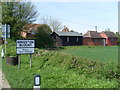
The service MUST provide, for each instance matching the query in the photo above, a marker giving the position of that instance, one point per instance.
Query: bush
(10, 48)
(43, 38)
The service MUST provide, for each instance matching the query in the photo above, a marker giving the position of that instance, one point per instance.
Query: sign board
(25, 50)
(25, 46)
(6, 31)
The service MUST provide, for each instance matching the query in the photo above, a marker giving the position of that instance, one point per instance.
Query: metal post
(30, 60)
(2, 54)
(18, 61)
(5, 37)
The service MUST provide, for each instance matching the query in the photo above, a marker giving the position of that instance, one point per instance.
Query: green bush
(10, 48)
(43, 38)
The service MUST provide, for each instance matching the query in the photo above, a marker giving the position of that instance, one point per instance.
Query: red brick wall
(112, 41)
(109, 41)
(90, 42)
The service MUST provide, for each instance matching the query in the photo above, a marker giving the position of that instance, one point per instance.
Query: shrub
(43, 38)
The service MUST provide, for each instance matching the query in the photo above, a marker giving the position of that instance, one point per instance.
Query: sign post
(5, 33)
(18, 61)
(25, 47)
(2, 54)
(30, 60)
(5, 37)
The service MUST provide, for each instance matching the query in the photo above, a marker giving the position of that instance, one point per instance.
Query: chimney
(64, 26)
(96, 28)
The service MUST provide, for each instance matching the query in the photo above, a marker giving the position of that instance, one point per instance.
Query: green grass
(109, 53)
(60, 70)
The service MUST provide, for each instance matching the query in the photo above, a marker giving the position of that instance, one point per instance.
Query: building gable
(92, 34)
(109, 34)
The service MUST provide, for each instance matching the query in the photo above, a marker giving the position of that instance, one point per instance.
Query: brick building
(92, 38)
(111, 38)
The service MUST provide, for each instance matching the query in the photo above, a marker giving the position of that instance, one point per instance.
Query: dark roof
(109, 34)
(68, 33)
(92, 34)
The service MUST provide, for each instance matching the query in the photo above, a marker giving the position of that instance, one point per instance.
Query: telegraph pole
(96, 28)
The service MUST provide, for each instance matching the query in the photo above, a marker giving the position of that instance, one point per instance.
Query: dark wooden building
(67, 38)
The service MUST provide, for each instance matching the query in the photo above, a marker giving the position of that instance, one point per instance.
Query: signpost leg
(30, 60)
(18, 61)
(5, 37)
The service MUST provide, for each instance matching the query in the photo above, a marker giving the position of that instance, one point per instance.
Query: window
(99, 40)
(112, 39)
(94, 40)
(67, 39)
(77, 39)
(33, 33)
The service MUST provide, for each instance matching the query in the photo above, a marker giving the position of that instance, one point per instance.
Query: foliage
(61, 70)
(17, 14)
(43, 38)
(118, 34)
(10, 48)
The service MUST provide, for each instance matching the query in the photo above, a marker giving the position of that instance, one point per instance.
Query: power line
(98, 26)
(65, 19)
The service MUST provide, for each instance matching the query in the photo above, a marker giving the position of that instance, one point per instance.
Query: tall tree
(54, 24)
(17, 14)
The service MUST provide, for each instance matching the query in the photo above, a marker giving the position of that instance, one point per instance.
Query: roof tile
(68, 33)
(92, 34)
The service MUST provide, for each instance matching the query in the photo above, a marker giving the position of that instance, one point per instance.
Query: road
(4, 83)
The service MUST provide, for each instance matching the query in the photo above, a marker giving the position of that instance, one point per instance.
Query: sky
(81, 16)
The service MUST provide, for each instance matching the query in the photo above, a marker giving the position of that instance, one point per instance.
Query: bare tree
(54, 24)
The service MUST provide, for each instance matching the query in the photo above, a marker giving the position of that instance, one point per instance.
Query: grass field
(64, 68)
(109, 53)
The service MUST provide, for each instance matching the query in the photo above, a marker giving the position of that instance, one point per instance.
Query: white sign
(37, 80)
(6, 31)
(25, 50)
(25, 46)
(25, 43)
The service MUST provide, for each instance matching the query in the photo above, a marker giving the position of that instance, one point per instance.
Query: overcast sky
(81, 16)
